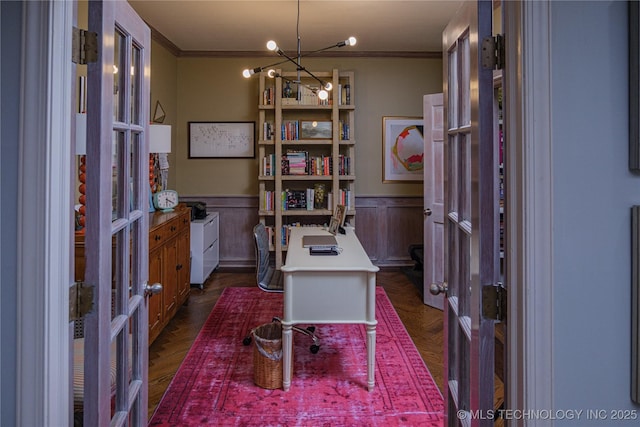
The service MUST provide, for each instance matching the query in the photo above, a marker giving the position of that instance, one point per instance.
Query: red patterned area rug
(214, 385)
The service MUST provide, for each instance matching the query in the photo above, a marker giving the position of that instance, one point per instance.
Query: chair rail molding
(385, 225)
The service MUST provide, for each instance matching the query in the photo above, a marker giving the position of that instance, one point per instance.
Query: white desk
(328, 289)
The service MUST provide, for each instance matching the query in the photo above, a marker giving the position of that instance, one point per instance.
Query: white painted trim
(44, 226)
(529, 210)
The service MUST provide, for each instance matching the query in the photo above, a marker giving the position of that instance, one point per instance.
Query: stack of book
(294, 163)
(294, 199)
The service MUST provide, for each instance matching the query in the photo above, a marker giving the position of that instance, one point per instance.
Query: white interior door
(433, 265)
(470, 219)
(117, 225)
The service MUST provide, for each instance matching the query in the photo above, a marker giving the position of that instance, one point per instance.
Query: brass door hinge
(84, 46)
(80, 300)
(493, 52)
(494, 302)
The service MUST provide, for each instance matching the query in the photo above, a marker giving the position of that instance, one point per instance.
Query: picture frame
(333, 226)
(231, 140)
(634, 86)
(337, 220)
(316, 129)
(159, 114)
(402, 149)
(635, 303)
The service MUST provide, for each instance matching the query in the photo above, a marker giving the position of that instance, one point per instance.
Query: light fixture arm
(271, 45)
(299, 66)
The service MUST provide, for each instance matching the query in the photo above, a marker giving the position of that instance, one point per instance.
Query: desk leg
(287, 349)
(371, 356)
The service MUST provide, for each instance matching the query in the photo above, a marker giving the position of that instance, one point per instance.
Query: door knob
(438, 288)
(152, 290)
(427, 212)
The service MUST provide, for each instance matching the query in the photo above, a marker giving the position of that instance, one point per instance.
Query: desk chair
(270, 280)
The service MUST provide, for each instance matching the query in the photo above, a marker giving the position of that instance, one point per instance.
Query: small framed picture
(340, 213)
(333, 225)
(316, 129)
(337, 220)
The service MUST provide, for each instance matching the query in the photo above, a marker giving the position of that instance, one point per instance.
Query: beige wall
(164, 80)
(213, 89)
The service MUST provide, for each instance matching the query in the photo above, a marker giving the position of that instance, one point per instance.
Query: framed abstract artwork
(402, 149)
(634, 86)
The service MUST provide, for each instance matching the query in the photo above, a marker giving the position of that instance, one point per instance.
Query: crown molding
(159, 38)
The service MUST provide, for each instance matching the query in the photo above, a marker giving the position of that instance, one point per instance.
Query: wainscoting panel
(386, 226)
(238, 215)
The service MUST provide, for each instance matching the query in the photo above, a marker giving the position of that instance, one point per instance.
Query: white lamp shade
(159, 138)
(81, 134)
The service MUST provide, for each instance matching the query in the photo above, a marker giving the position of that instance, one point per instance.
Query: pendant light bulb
(328, 86)
(323, 94)
(271, 73)
(351, 41)
(271, 45)
(246, 73)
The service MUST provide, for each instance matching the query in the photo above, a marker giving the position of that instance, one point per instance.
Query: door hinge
(494, 302)
(84, 46)
(493, 52)
(80, 300)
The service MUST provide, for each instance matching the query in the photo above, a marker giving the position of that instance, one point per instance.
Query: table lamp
(159, 143)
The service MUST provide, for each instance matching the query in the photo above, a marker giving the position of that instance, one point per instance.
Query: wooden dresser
(169, 264)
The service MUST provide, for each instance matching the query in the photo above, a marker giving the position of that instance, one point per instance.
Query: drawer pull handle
(157, 237)
(173, 228)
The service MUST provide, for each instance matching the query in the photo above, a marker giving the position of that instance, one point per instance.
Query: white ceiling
(246, 25)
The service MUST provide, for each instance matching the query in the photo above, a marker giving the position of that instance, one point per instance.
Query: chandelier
(273, 46)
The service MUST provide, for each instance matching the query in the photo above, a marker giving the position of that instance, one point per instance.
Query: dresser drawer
(210, 258)
(211, 230)
(156, 237)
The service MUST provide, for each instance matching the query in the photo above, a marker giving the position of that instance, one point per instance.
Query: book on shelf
(294, 199)
(267, 131)
(289, 130)
(310, 198)
(268, 203)
(268, 96)
(268, 165)
(344, 198)
(344, 131)
(271, 235)
(344, 166)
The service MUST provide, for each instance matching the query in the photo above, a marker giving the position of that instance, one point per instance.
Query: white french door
(433, 239)
(116, 244)
(470, 218)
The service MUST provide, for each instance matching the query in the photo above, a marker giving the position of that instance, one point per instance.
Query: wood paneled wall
(386, 226)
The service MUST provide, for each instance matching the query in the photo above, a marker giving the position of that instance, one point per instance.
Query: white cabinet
(205, 251)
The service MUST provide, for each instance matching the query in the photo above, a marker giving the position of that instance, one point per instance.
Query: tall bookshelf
(287, 135)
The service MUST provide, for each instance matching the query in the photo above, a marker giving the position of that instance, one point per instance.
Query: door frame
(529, 206)
(42, 364)
(44, 241)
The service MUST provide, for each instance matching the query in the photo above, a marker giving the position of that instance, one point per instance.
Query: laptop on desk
(318, 240)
